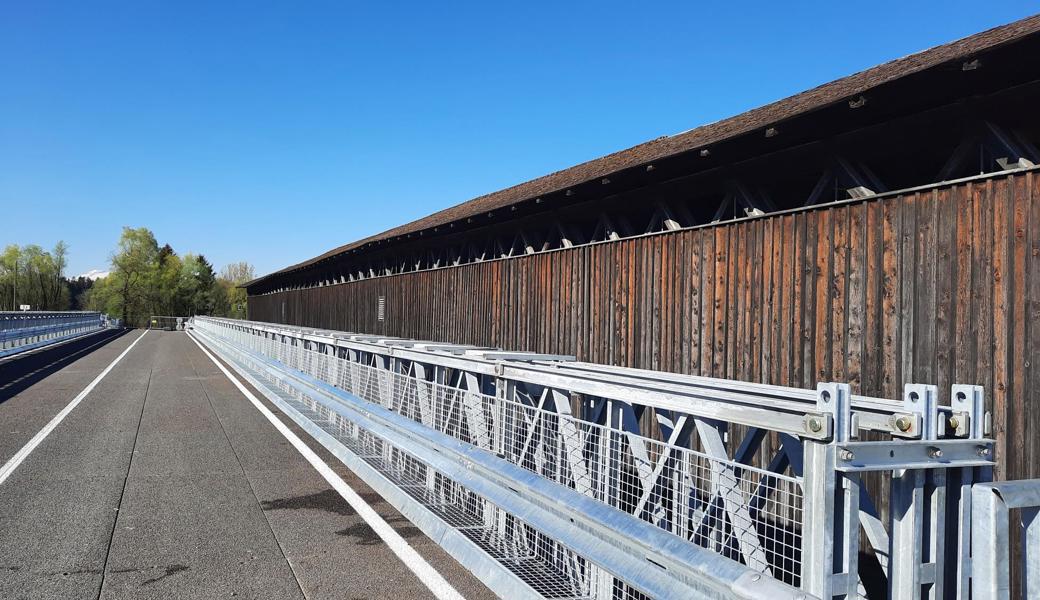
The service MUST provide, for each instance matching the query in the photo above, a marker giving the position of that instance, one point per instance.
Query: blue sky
(271, 132)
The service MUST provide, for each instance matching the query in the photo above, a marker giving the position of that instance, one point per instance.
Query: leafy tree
(31, 275)
(145, 279)
(79, 290)
(232, 276)
(133, 275)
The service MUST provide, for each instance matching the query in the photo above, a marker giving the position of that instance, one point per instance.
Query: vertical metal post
(911, 566)
(967, 401)
(818, 511)
(990, 554)
(1030, 552)
(830, 513)
(333, 361)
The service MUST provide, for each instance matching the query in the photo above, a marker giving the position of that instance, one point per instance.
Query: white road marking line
(411, 559)
(24, 452)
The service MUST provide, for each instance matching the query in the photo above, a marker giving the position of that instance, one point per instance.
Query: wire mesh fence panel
(748, 514)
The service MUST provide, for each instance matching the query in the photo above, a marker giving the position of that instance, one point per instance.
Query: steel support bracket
(916, 454)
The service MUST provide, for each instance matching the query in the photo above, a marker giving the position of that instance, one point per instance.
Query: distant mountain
(95, 274)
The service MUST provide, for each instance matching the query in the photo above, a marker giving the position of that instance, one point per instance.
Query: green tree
(31, 275)
(231, 278)
(133, 276)
(168, 281)
(10, 267)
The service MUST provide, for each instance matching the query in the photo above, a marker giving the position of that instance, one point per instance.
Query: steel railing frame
(992, 504)
(933, 453)
(28, 330)
(642, 556)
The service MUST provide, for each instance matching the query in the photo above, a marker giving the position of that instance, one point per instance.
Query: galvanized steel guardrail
(667, 485)
(22, 331)
(991, 538)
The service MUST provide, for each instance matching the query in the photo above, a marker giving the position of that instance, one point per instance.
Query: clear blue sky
(271, 132)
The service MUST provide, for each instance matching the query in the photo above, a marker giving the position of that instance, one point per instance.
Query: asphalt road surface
(166, 482)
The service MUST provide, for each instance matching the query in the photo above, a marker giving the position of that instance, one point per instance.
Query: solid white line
(412, 559)
(21, 455)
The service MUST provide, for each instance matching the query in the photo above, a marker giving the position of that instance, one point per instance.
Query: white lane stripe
(27, 449)
(412, 559)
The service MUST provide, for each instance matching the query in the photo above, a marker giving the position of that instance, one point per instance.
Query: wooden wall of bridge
(937, 286)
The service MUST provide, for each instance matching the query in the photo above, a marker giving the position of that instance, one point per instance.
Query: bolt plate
(916, 454)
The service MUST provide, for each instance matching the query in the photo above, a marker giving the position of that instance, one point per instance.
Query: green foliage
(232, 276)
(145, 279)
(133, 276)
(31, 275)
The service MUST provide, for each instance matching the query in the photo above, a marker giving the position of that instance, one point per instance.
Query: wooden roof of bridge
(755, 120)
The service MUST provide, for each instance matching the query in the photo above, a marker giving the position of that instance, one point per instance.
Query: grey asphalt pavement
(165, 482)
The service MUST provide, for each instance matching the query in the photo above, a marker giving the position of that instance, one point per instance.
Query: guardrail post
(830, 512)
(967, 402)
(912, 564)
(991, 537)
(989, 546)
(1030, 552)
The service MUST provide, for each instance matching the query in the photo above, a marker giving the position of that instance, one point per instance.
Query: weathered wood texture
(938, 286)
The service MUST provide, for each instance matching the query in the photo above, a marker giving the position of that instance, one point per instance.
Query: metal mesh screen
(748, 514)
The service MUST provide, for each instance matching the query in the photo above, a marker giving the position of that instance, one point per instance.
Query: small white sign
(24, 307)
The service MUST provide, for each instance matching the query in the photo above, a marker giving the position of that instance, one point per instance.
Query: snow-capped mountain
(95, 274)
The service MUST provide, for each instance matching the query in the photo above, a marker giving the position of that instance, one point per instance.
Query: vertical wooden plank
(838, 292)
(767, 321)
(692, 335)
(707, 329)
(945, 276)
(907, 287)
(822, 296)
(926, 256)
(1032, 349)
(755, 294)
(780, 300)
(982, 282)
(656, 281)
(1001, 326)
(964, 316)
(740, 337)
(633, 303)
(797, 370)
(1018, 361)
(891, 230)
(721, 285)
(858, 256)
(810, 299)
(733, 299)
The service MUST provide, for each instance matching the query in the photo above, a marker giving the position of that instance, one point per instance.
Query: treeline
(144, 279)
(36, 277)
(147, 279)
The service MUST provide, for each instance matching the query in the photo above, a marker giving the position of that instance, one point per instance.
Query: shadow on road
(19, 372)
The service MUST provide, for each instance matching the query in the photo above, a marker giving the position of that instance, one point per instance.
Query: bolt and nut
(846, 455)
(904, 423)
(815, 424)
(934, 452)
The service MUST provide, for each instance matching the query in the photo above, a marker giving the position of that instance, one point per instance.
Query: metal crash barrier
(991, 537)
(22, 331)
(553, 478)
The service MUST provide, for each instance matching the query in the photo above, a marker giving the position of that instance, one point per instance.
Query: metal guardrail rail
(723, 487)
(23, 331)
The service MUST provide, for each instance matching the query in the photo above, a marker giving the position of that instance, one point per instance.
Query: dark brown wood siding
(937, 286)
